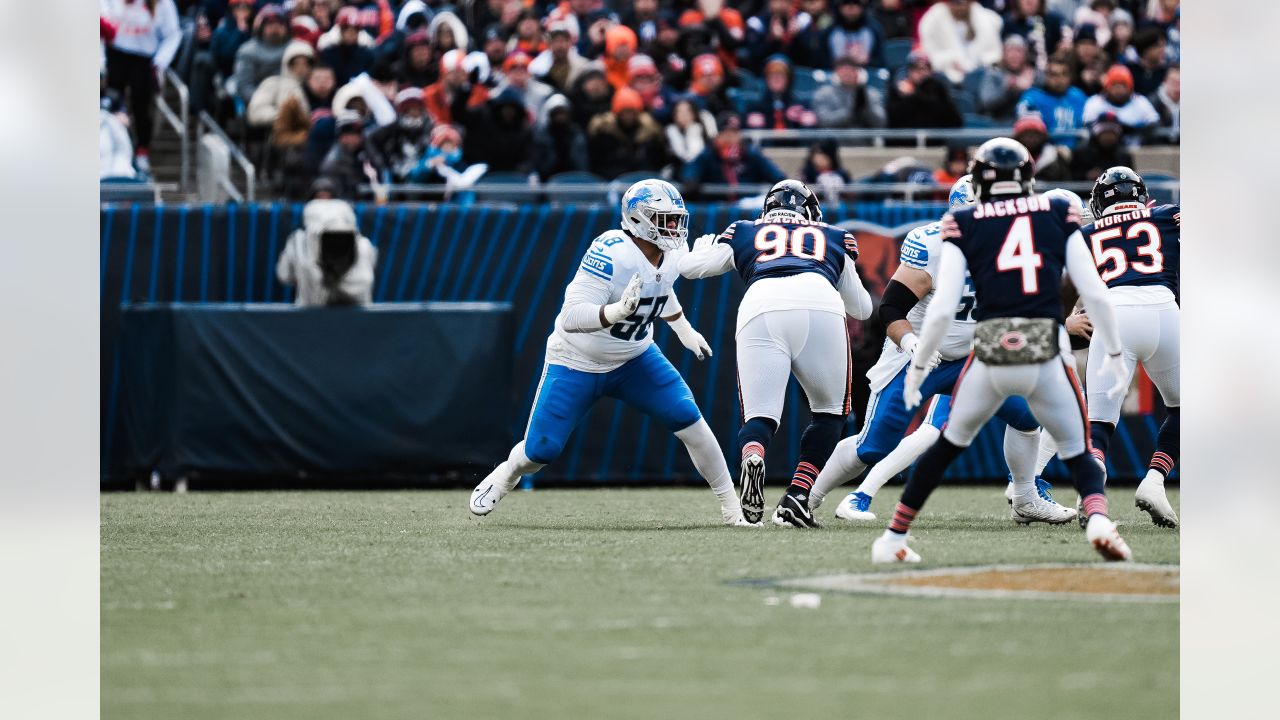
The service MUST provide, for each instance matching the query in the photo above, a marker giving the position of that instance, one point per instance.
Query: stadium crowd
(333, 94)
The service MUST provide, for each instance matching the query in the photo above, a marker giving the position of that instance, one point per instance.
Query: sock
(911, 447)
(816, 444)
(1095, 504)
(903, 516)
(1020, 452)
(1090, 479)
(517, 464)
(1100, 438)
(755, 434)
(928, 473)
(1167, 446)
(707, 458)
(1048, 448)
(841, 467)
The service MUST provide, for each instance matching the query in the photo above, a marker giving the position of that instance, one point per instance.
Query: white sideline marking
(879, 583)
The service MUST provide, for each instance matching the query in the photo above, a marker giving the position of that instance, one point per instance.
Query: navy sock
(1100, 438)
(755, 435)
(928, 473)
(1089, 478)
(816, 444)
(1167, 442)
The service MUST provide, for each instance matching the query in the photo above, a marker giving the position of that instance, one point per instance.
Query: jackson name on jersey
(608, 265)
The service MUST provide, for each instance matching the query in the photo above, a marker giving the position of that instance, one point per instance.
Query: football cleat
(855, 507)
(1043, 488)
(887, 549)
(1150, 499)
(1102, 534)
(751, 488)
(793, 511)
(1038, 510)
(487, 494)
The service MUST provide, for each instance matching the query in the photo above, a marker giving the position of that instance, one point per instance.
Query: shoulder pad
(603, 255)
(918, 244)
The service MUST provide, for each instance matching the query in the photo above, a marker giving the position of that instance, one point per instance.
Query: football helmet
(653, 210)
(1086, 216)
(793, 196)
(1115, 186)
(961, 193)
(1001, 166)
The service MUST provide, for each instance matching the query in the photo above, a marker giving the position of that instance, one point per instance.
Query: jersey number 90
(774, 241)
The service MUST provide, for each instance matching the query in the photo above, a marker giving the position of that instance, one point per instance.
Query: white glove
(908, 344)
(690, 338)
(704, 241)
(621, 310)
(1114, 367)
(911, 396)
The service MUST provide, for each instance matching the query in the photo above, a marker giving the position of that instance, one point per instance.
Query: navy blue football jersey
(770, 248)
(1138, 247)
(1016, 250)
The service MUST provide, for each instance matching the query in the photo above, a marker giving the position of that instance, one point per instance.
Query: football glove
(704, 241)
(1114, 367)
(626, 305)
(911, 396)
(690, 338)
(908, 344)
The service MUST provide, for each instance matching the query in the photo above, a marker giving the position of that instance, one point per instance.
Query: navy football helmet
(1117, 185)
(794, 196)
(1001, 166)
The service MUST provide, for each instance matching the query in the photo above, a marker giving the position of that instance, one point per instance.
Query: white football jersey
(922, 249)
(603, 274)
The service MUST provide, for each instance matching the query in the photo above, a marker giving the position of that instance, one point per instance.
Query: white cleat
(891, 549)
(732, 516)
(487, 494)
(1008, 493)
(1102, 534)
(1150, 498)
(1037, 509)
(854, 508)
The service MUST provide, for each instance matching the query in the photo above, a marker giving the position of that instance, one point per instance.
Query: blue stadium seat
(878, 78)
(977, 120)
(896, 52)
(965, 102)
(804, 83)
(577, 177)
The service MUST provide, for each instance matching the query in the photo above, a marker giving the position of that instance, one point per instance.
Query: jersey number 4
(774, 241)
(1112, 262)
(1019, 253)
(636, 325)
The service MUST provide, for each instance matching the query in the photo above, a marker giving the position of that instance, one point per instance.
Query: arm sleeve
(1084, 275)
(707, 262)
(947, 291)
(857, 301)
(170, 35)
(673, 306)
(582, 301)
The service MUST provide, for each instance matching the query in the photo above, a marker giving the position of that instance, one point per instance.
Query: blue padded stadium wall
(520, 255)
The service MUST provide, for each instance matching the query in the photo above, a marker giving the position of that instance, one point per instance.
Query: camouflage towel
(1016, 341)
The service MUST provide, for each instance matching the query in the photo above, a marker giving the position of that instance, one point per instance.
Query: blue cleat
(1043, 489)
(856, 506)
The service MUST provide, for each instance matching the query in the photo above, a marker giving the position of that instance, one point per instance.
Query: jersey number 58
(636, 325)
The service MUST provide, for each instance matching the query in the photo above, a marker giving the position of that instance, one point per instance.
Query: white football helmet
(1086, 216)
(653, 210)
(961, 193)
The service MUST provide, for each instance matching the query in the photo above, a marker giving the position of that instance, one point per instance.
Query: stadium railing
(210, 126)
(180, 121)
(921, 137)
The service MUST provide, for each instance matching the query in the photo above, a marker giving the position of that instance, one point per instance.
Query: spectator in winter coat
(898, 17)
(413, 18)
(1134, 112)
(1167, 102)
(1052, 162)
(327, 259)
(849, 102)
(448, 33)
(809, 48)
(590, 96)
(620, 45)
(235, 30)
(954, 165)
(644, 78)
(1089, 63)
(729, 160)
(855, 34)
(689, 133)
(558, 144)
(516, 76)
(772, 32)
(293, 125)
(778, 109)
(399, 146)
(1058, 104)
(999, 87)
(453, 94)
(960, 36)
(498, 133)
(344, 166)
(706, 84)
(144, 39)
(822, 171)
(347, 57)
(1046, 33)
(626, 139)
(1120, 47)
(1148, 72)
(295, 66)
(920, 99)
(1104, 149)
(560, 64)
(722, 26)
(260, 58)
(417, 66)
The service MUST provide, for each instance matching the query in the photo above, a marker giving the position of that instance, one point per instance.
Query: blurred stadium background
(483, 144)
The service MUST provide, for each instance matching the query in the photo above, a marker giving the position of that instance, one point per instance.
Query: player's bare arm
(907, 286)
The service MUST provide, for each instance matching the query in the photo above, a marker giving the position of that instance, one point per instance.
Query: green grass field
(596, 604)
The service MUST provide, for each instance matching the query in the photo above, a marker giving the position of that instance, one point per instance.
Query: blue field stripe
(379, 213)
(387, 256)
(127, 281)
(497, 239)
(180, 260)
(295, 224)
(231, 256)
(412, 252)
(446, 262)
(566, 219)
(108, 220)
(251, 251)
(272, 236)
(420, 288)
(157, 237)
(465, 263)
(204, 253)
(534, 239)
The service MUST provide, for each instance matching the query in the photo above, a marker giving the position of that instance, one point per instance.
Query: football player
(1137, 250)
(881, 444)
(602, 345)
(1015, 246)
(801, 282)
